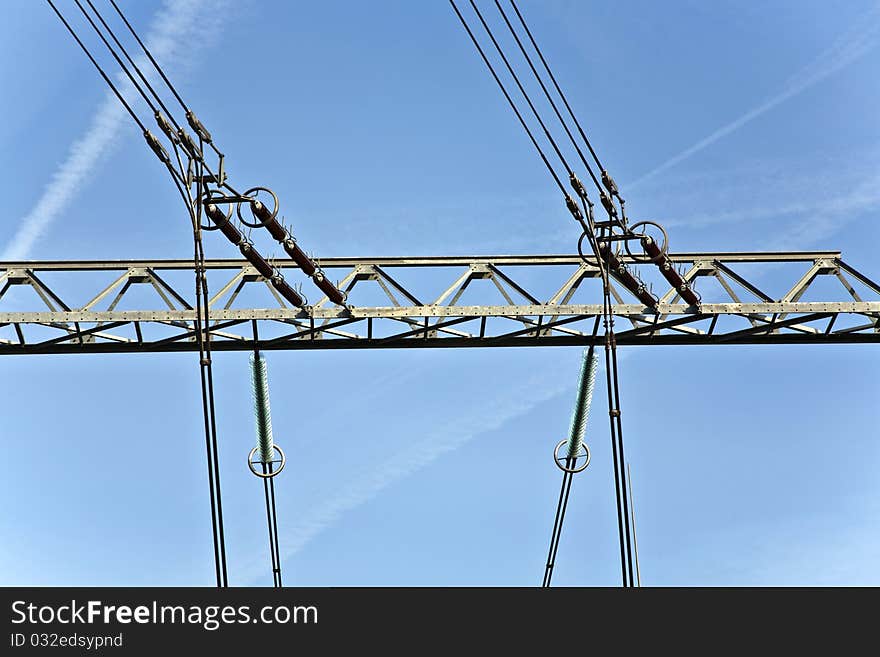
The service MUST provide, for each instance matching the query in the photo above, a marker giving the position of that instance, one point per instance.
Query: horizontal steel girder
(509, 315)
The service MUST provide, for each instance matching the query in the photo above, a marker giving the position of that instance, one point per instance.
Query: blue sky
(740, 126)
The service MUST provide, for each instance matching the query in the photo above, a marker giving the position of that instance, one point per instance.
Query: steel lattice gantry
(39, 314)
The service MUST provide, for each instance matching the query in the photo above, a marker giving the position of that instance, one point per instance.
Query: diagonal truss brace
(487, 304)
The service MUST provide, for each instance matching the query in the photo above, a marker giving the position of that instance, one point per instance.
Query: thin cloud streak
(170, 35)
(850, 47)
(796, 206)
(444, 438)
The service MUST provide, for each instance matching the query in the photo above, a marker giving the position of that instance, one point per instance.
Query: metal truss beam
(431, 311)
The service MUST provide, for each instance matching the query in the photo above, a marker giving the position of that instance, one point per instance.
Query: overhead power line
(119, 61)
(556, 85)
(600, 236)
(98, 66)
(134, 65)
(149, 55)
(522, 90)
(548, 96)
(513, 106)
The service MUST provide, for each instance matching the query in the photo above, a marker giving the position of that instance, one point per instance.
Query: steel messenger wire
(267, 219)
(611, 382)
(98, 66)
(656, 254)
(161, 120)
(607, 180)
(568, 474)
(183, 179)
(610, 342)
(612, 378)
(201, 295)
(154, 144)
(113, 51)
(266, 449)
(509, 99)
(522, 90)
(195, 152)
(556, 85)
(158, 68)
(134, 65)
(549, 97)
(203, 339)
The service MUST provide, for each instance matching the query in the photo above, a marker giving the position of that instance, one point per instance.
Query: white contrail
(852, 45)
(171, 33)
(442, 439)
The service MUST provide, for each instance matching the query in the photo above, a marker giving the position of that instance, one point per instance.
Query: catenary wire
(115, 55)
(98, 66)
(509, 99)
(155, 63)
(556, 85)
(522, 90)
(562, 121)
(134, 65)
(610, 342)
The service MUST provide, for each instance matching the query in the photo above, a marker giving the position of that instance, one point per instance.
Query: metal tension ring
(255, 191)
(266, 475)
(208, 197)
(664, 247)
(560, 461)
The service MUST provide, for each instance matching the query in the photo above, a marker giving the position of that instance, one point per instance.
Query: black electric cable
(556, 534)
(97, 66)
(114, 88)
(509, 99)
(611, 381)
(269, 494)
(562, 505)
(610, 342)
(275, 528)
(149, 55)
(270, 502)
(547, 94)
(115, 55)
(134, 65)
(202, 335)
(156, 65)
(556, 85)
(522, 90)
(632, 508)
(207, 365)
(216, 176)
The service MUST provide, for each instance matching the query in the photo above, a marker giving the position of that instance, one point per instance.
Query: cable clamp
(577, 185)
(197, 125)
(609, 183)
(189, 145)
(166, 127)
(156, 146)
(608, 204)
(574, 209)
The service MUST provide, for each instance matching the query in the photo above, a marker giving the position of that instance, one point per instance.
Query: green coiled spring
(581, 413)
(260, 389)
